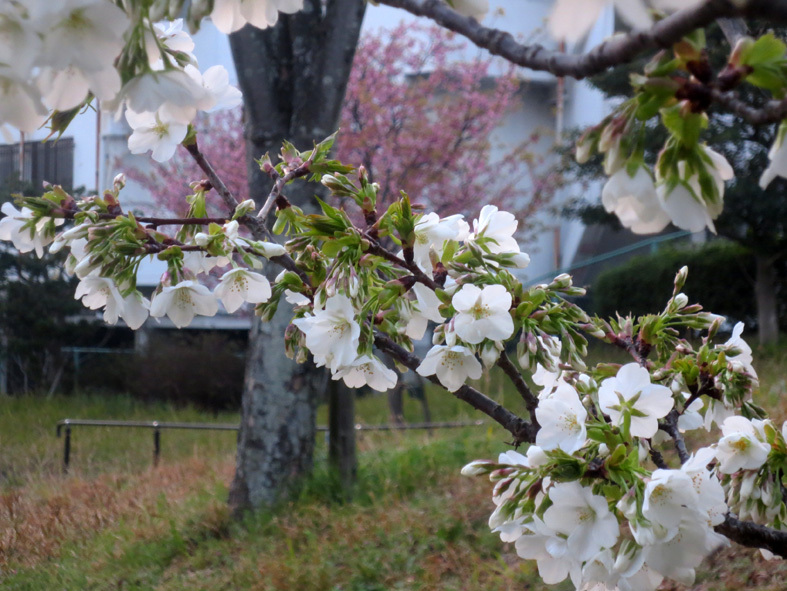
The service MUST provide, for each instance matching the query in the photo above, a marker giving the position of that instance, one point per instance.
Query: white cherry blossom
(742, 446)
(562, 419)
(66, 88)
(426, 307)
(84, 34)
(431, 233)
(684, 204)
(631, 396)
(452, 365)
(241, 285)
(20, 102)
(482, 313)
(625, 572)
(677, 555)
(332, 334)
(583, 517)
(572, 19)
(778, 159)
(215, 80)
(634, 201)
(101, 292)
(24, 240)
(744, 359)
(150, 91)
(366, 370)
(173, 37)
(160, 132)
(231, 15)
(497, 229)
(550, 551)
(20, 43)
(182, 302)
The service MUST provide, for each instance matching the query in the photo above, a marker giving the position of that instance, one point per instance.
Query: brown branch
(753, 535)
(155, 222)
(770, 112)
(613, 52)
(521, 430)
(531, 400)
(670, 426)
(657, 458)
(275, 195)
(230, 201)
(377, 249)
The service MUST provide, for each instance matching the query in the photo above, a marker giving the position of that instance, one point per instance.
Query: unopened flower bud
(477, 467)
(119, 182)
(490, 353)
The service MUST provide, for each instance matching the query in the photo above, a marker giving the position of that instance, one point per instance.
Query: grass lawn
(115, 522)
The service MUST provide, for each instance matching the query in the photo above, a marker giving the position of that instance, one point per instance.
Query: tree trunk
(293, 77)
(765, 289)
(341, 443)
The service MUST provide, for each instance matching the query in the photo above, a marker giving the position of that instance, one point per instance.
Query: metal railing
(158, 426)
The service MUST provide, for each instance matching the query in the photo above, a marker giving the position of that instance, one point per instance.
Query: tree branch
(276, 196)
(670, 426)
(531, 400)
(379, 250)
(752, 535)
(521, 430)
(230, 201)
(770, 112)
(615, 51)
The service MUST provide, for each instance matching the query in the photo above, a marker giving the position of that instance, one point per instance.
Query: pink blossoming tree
(418, 116)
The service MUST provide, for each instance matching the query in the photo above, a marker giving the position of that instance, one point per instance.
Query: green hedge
(721, 278)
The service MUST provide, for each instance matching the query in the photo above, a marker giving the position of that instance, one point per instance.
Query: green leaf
(765, 50)
(686, 128)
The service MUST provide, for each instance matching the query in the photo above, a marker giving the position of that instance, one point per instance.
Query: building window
(51, 161)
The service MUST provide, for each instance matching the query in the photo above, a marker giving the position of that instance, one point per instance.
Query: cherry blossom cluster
(594, 500)
(686, 184)
(106, 248)
(60, 55)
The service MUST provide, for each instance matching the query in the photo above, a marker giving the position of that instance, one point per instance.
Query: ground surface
(116, 522)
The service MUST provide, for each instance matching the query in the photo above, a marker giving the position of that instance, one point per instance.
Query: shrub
(721, 278)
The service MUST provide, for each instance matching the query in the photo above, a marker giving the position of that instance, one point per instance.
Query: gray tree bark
(293, 77)
(765, 290)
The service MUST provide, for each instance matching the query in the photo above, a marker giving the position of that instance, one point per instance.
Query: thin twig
(521, 430)
(379, 250)
(531, 400)
(279, 182)
(230, 201)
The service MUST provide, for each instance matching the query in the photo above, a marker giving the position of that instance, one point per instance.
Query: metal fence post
(67, 449)
(156, 443)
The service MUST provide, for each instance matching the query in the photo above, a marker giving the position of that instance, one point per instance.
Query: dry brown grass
(35, 521)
